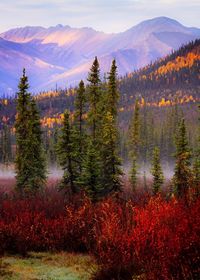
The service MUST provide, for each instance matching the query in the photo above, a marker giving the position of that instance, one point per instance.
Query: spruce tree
(134, 139)
(196, 163)
(67, 155)
(95, 99)
(111, 163)
(80, 136)
(144, 131)
(156, 171)
(182, 174)
(112, 96)
(196, 171)
(91, 174)
(37, 155)
(29, 164)
(111, 167)
(22, 134)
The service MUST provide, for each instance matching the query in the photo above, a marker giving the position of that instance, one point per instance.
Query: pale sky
(103, 15)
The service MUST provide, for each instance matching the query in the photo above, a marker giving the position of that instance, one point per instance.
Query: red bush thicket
(159, 239)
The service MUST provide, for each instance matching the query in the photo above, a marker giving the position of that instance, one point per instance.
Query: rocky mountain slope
(61, 55)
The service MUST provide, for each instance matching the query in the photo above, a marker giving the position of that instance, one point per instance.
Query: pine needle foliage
(67, 155)
(182, 173)
(111, 167)
(30, 162)
(196, 163)
(156, 171)
(94, 100)
(134, 140)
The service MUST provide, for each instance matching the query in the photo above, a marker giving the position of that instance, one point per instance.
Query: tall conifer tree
(196, 163)
(112, 96)
(156, 171)
(79, 126)
(37, 155)
(91, 174)
(111, 167)
(94, 98)
(30, 167)
(22, 134)
(134, 140)
(182, 175)
(111, 163)
(67, 155)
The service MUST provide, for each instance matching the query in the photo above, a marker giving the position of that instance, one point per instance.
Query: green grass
(46, 266)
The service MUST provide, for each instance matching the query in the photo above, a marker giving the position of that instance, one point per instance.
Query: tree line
(187, 163)
(88, 143)
(87, 146)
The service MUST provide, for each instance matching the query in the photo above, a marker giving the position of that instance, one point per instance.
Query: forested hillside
(174, 77)
(168, 87)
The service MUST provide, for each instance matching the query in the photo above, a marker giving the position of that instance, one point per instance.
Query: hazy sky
(103, 15)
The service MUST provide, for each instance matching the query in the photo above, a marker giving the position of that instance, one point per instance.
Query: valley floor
(47, 266)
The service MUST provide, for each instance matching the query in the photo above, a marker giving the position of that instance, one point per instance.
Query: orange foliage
(51, 94)
(178, 63)
(48, 94)
(51, 121)
(163, 102)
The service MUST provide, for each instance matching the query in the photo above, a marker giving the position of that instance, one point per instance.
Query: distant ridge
(62, 55)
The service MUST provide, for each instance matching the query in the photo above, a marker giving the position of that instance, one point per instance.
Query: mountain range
(62, 55)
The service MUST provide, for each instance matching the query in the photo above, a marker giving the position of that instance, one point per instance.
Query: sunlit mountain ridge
(61, 55)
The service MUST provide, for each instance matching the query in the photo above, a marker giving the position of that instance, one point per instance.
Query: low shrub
(160, 240)
(155, 239)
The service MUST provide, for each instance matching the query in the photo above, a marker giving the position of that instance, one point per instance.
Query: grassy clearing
(46, 266)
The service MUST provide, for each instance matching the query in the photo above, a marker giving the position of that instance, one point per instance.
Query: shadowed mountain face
(62, 55)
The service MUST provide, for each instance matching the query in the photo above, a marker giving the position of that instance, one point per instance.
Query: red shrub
(155, 238)
(161, 240)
